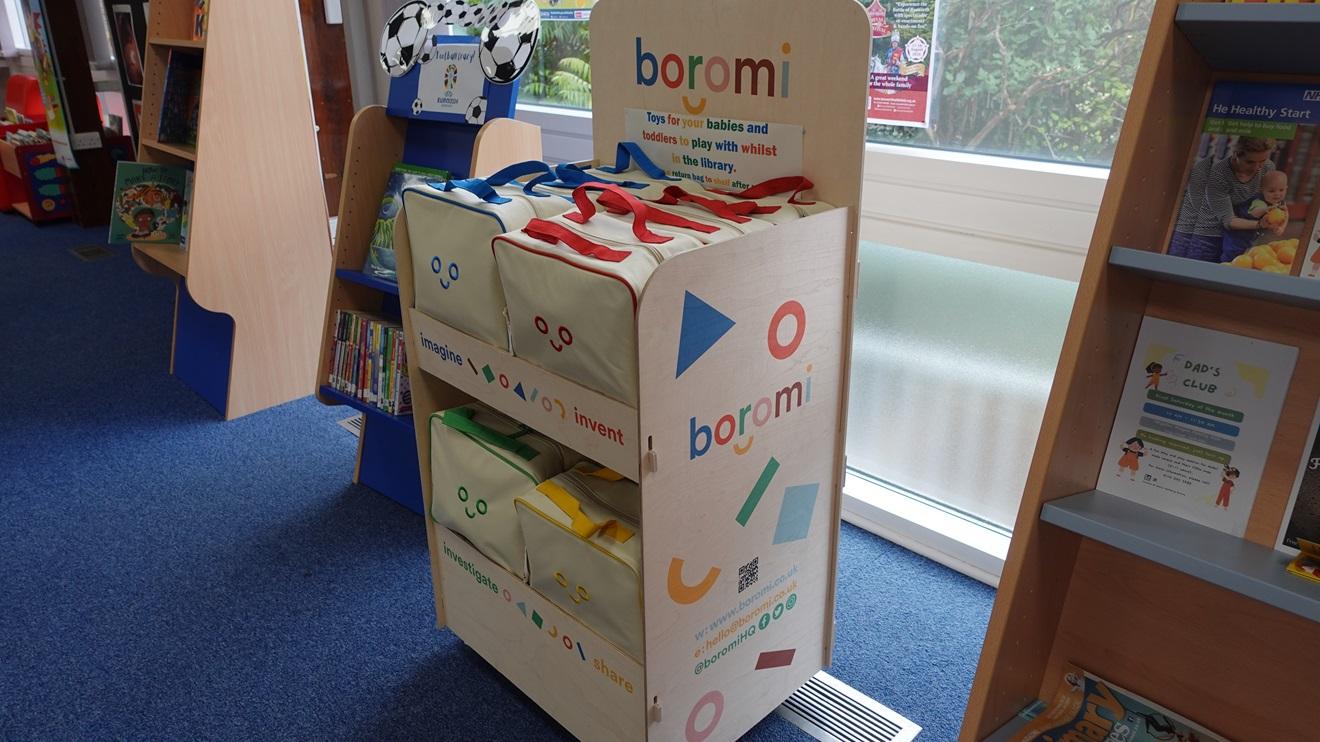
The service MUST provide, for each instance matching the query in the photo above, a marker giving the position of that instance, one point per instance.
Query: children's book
(1248, 192)
(199, 19)
(181, 99)
(150, 203)
(1195, 422)
(1086, 707)
(380, 261)
(1301, 520)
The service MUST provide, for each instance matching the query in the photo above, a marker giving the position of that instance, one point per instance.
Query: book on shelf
(199, 19)
(1301, 519)
(181, 97)
(369, 363)
(1247, 197)
(380, 262)
(1086, 707)
(1195, 422)
(150, 203)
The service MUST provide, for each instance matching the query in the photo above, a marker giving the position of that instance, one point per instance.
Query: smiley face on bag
(564, 335)
(438, 268)
(578, 596)
(480, 505)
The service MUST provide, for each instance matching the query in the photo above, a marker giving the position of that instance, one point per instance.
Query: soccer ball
(507, 45)
(427, 52)
(404, 35)
(417, 107)
(478, 15)
(476, 110)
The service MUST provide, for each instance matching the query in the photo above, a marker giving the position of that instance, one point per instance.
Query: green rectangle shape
(536, 619)
(1192, 405)
(1250, 128)
(754, 497)
(490, 375)
(1200, 452)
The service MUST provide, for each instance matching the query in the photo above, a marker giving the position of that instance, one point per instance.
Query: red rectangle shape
(777, 658)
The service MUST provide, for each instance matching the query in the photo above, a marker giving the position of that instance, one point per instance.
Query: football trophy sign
(509, 32)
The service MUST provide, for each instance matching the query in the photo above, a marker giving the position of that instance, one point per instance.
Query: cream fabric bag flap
(584, 550)
(480, 461)
(450, 226)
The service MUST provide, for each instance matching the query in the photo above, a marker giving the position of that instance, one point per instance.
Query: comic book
(1086, 707)
(380, 262)
(150, 203)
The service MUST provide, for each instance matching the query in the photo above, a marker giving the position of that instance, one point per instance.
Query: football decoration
(507, 44)
(427, 52)
(418, 106)
(404, 36)
(476, 110)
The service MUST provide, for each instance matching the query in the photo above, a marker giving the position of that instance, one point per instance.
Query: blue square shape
(795, 512)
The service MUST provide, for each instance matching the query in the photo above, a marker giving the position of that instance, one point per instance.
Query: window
(560, 73)
(13, 29)
(1041, 79)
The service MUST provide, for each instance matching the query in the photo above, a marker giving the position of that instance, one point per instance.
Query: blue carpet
(167, 575)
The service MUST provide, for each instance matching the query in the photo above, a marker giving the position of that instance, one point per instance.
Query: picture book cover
(199, 19)
(1247, 195)
(150, 203)
(1301, 519)
(1307, 562)
(1195, 422)
(1086, 707)
(181, 99)
(380, 261)
(1311, 265)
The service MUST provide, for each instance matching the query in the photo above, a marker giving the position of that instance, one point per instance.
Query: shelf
(178, 150)
(1219, 558)
(179, 43)
(592, 424)
(330, 393)
(171, 256)
(1302, 292)
(1007, 732)
(363, 279)
(1254, 37)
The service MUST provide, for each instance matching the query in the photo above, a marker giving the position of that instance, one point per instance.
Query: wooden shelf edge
(171, 256)
(178, 42)
(328, 392)
(178, 150)
(1223, 34)
(1219, 558)
(1293, 290)
(1008, 730)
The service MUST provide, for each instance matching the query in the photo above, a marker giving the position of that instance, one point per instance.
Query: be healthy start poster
(902, 46)
(1195, 423)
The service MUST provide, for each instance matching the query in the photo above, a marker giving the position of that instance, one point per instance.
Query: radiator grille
(834, 711)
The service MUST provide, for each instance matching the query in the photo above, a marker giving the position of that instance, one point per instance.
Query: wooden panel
(332, 98)
(259, 237)
(563, 666)
(170, 256)
(743, 442)
(503, 142)
(1234, 665)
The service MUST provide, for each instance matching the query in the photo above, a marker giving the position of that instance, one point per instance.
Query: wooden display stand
(719, 655)
(1206, 624)
(376, 142)
(31, 181)
(251, 283)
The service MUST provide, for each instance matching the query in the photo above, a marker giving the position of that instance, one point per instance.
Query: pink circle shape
(713, 698)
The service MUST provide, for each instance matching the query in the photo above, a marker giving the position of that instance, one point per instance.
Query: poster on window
(48, 79)
(902, 46)
(565, 10)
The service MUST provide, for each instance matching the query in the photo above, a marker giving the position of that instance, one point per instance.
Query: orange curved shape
(739, 450)
(685, 594)
(694, 110)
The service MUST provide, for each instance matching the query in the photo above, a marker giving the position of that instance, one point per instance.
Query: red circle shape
(777, 350)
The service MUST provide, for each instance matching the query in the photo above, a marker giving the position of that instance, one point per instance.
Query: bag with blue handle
(450, 227)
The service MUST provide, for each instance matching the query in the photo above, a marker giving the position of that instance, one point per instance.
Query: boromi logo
(746, 75)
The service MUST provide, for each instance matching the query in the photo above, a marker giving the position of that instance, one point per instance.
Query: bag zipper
(585, 488)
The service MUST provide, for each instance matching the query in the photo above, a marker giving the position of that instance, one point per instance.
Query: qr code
(749, 573)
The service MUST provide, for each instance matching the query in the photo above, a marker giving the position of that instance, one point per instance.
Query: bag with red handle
(572, 284)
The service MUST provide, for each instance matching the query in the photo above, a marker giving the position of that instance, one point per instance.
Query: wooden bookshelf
(1202, 622)
(251, 282)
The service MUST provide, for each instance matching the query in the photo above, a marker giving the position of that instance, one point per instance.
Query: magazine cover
(380, 253)
(1195, 423)
(181, 99)
(150, 203)
(1088, 708)
(1247, 194)
(1301, 519)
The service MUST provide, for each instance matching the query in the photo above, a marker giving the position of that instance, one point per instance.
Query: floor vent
(353, 425)
(88, 253)
(834, 711)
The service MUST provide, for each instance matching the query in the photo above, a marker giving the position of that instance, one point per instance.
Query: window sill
(957, 543)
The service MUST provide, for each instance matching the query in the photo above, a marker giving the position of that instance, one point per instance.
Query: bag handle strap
(620, 201)
(460, 419)
(793, 184)
(629, 153)
(477, 187)
(554, 233)
(572, 176)
(729, 211)
(613, 204)
(543, 172)
(582, 524)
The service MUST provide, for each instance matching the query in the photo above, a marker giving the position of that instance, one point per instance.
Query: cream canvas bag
(584, 550)
(572, 284)
(480, 461)
(450, 226)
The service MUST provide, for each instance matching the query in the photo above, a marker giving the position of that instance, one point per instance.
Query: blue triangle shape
(519, 391)
(703, 326)
(522, 607)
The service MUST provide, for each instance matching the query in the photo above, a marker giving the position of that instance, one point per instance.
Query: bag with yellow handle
(584, 550)
(480, 461)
